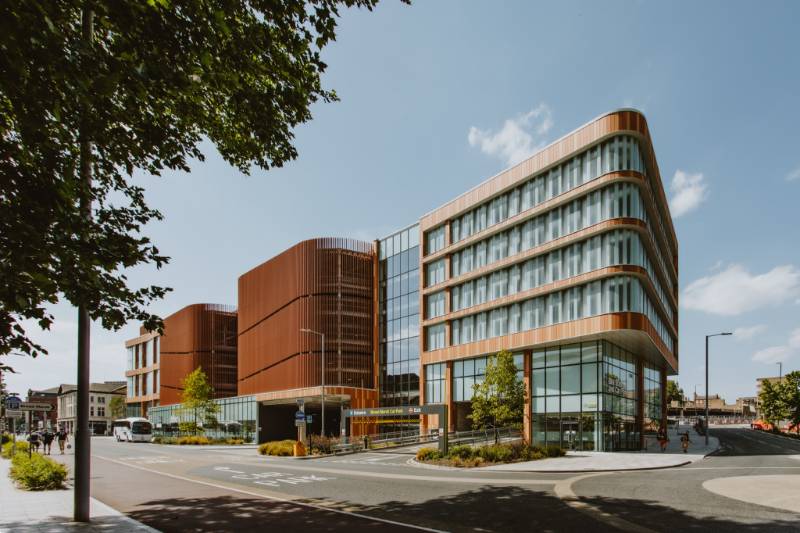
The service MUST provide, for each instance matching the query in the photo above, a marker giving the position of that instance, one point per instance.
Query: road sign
(308, 419)
(12, 402)
(33, 406)
(14, 413)
(299, 422)
(300, 402)
(300, 415)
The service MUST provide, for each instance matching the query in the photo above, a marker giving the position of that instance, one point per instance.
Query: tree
(116, 407)
(498, 401)
(773, 406)
(790, 393)
(91, 92)
(197, 397)
(674, 393)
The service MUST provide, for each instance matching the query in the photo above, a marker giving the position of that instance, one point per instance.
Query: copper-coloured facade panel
(324, 285)
(199, 335)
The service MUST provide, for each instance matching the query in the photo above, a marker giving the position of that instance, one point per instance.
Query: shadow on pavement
(62, 523)
(484, 509)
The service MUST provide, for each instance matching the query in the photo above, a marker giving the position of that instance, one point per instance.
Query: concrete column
(527, 421)
(448, 395)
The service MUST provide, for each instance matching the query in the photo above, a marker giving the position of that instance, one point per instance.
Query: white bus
(133, 430)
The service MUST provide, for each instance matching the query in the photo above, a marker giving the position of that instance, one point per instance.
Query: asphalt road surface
(175, 488)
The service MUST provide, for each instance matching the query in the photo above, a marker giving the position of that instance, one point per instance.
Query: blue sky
(718, 82)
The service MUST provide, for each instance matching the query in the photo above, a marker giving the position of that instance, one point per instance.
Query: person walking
(685, 442)
(662, 439)
(62, 439)
(47, 438)
(33, 440)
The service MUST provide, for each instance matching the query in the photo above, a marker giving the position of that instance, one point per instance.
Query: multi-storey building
(44, 419)
(568, 260)
(197, 336)
(100, 396)
(324, 286)
(397, 325)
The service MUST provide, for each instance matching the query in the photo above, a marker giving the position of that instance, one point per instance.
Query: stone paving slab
(51, 511)
(652, 458)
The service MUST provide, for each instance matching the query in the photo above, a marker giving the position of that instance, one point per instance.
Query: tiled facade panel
(324, 285)
(200, 335)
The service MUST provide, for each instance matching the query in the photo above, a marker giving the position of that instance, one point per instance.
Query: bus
(133, 429)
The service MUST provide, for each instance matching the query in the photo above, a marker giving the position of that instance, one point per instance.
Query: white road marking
(275, 498)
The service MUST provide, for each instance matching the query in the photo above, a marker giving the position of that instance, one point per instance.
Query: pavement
(45, 511)
(652, 458)
(748, 485)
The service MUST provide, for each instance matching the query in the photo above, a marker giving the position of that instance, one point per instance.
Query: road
(200, 489)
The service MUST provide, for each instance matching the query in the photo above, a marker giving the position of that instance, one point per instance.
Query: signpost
(439, 409)
(34, 406)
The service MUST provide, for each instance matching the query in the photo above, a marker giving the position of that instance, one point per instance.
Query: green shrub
(234, 441)
(22, 446)
(37, 472)
(554, 450)
(496, 453)
(5, 437)
(322, 444)
(282, 448)
(469, 462)
(428, 454)
(462, 451)
(194, 440)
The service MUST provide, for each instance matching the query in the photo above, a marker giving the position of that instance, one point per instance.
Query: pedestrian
(33, 440)
(62, 439)
(685, 442)
(662, 439)
(48, 441)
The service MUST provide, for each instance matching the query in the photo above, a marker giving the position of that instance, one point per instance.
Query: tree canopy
(498, 401)
(116, 407)
(156, 78)
(198, 396)
(674, 392)
(781, 401)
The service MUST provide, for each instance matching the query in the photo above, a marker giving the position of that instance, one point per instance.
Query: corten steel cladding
(199, 335)
(324, 285)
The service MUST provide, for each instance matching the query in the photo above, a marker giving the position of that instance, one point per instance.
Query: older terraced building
(569, 260)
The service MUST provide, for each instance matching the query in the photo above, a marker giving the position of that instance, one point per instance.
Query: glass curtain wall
(399, 318)
(584, 397)
(236, 418)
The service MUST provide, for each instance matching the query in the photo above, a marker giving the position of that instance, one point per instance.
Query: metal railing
(399, 439)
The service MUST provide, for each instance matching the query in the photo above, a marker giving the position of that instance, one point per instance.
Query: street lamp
(780, 371)
(707, 337)
(306, 330)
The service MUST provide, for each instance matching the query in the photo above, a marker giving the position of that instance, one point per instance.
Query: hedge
(37, 472)
(22, 446)
(466, 456)
(284, 448)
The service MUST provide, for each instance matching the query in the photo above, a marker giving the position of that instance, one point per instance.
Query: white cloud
(794, 339)
(519, 137)
(773, 354)
(688, 192)
(745, 334)
(779, 354)
(734, 290)
(793, 175)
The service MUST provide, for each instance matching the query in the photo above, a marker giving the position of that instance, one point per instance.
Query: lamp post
(780, 371)
(707, 337)
(306, 330)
